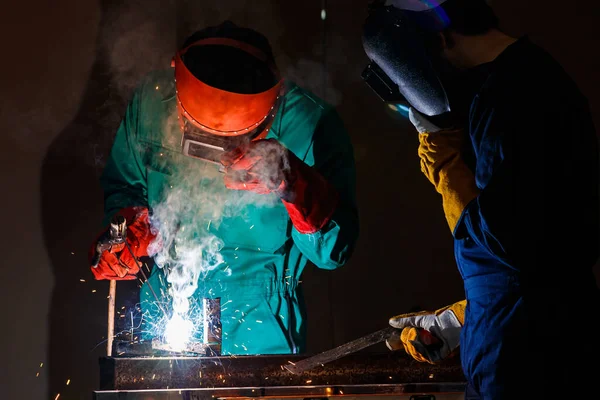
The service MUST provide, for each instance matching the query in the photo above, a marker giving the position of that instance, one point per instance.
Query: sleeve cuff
(460, 230)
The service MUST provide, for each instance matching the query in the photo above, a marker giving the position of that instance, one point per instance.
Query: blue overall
(525, 247)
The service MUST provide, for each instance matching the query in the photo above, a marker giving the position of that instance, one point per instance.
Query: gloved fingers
(98, 245)
(422, 345)
(114, 264)
(231, 157)
(409, 337)
(272, 154)
(408, 320)
(424, 153)
(255, 187)
(442, 142)
(247, 156)
(400, 322)
(428, 339)
(248, 180)
(241, 180)
(140, 236)
(429, 159)
(426, 170)
(424, 354)
(419, 319)
(99, 275)
(129, 263)
(117, 248)
(433, 165)
(394, 343)
(434, 158)
(447, 141)
(245, 162)
(134, 242)
(433, 154)
(424, 140)
(109, 268)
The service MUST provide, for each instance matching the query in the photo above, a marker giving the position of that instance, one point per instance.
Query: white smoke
(186, 223)
(314, 76)
(185, 250)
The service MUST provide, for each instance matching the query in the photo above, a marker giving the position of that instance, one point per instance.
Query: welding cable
(146, 279)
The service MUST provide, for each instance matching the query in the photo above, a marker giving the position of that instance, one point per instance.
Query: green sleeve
(123, 179)
(333, 153)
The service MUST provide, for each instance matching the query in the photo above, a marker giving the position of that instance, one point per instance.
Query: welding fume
(231, 179)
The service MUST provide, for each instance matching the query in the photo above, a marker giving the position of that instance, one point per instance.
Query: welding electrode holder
(115, 234)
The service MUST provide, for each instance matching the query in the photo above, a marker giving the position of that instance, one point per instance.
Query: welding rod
(112, 291)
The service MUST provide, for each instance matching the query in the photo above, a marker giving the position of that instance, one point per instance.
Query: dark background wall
(68, 68)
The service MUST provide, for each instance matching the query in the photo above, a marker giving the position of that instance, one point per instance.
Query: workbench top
(361, 370)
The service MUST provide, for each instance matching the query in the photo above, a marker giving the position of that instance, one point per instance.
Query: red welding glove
(118, 263)
(266, 166)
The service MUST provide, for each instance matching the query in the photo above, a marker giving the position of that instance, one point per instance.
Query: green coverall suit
(263, 255)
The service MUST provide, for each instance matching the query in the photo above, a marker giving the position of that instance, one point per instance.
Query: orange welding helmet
(228, 89)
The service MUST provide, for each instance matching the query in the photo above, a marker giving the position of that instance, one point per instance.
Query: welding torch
(116, 234)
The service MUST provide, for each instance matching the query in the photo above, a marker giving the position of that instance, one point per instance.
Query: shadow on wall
(72, 200)
(71, 209)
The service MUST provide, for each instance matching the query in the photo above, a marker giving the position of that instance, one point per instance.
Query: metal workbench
(361, 374)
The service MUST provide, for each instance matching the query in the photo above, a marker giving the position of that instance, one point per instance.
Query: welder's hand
(262, 167)
(442, 164)
(117, 263)
(429, 336)
(266, 166)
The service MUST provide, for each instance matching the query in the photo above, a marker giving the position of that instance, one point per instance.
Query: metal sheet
(355, 370)
(428, 391)
(341, 351)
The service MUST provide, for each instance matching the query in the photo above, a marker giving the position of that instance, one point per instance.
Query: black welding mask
(406, 68)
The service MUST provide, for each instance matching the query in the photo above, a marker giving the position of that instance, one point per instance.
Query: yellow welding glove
(429, 336)
(441, 162)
